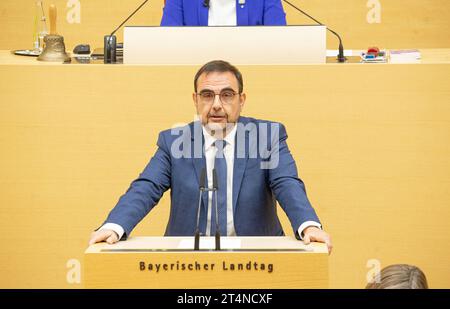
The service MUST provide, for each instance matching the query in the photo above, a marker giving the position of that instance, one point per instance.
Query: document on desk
(405, 56)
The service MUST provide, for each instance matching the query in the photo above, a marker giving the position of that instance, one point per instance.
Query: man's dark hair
(222, 67)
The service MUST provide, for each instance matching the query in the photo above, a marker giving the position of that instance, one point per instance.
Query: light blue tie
(220, 164)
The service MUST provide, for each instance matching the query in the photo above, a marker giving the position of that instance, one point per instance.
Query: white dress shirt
(222, 13)
(210, 155)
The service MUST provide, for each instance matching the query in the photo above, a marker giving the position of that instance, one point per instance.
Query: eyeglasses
(208, 96)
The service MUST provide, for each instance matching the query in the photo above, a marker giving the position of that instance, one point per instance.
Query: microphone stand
(215, 188)
(110, 41)
(202, 190)
(340, 58)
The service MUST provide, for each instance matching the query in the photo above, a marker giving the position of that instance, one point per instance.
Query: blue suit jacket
(255, 190)
(253, 13)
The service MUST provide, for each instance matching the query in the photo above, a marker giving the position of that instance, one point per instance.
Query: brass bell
(54, 50)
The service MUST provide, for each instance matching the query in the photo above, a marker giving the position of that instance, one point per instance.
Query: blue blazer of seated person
(253, 13)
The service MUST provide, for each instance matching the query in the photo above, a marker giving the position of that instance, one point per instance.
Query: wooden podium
(249, 45)
(243, 262)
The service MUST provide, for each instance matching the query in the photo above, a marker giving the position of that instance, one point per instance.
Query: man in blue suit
(223, 13)
(250, 157)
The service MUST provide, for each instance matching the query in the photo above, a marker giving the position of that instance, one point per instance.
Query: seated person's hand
(104, 235)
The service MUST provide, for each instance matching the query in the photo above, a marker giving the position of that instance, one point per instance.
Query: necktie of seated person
(220, 164)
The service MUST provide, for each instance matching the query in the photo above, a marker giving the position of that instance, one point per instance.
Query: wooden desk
(158, 262)
(429, 56)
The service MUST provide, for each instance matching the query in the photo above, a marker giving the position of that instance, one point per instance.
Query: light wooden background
(371, 142)
(362, 23)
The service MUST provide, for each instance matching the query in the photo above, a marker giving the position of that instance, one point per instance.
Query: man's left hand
(312, 233)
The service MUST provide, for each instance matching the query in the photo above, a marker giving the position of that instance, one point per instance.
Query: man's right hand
(104, 235)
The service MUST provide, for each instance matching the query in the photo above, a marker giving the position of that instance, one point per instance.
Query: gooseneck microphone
(201, 190)
(340, 57)
(215, 189)
(110, 41)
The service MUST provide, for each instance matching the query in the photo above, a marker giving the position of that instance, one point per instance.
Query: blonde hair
(400, 276)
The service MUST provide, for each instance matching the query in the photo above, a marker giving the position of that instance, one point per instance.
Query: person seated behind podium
(249, 181)
(223, 13)
(400, 276)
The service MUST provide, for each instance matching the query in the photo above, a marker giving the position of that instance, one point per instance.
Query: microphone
(340, 58)
(215, 188)
(201, 189)
(110, 41)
